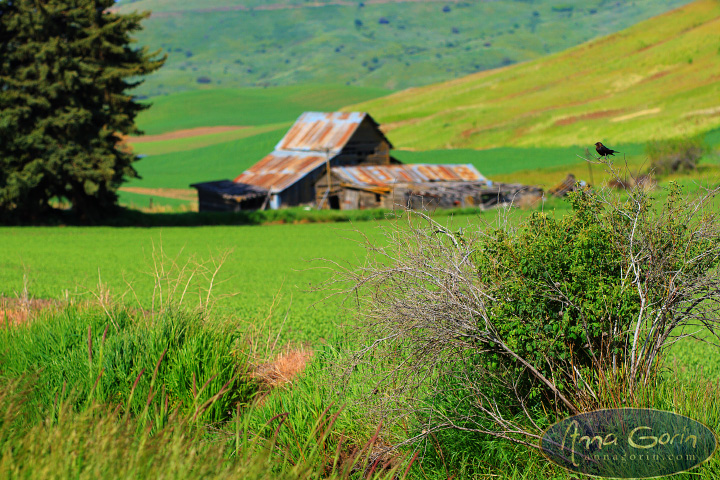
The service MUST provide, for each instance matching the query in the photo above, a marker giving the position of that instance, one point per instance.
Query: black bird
(603, 151)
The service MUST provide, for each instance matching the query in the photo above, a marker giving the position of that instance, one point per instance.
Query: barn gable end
(317, 140)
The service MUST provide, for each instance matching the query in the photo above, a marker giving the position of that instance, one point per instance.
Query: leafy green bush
(498, 331)
(675, 155)
(565, 297)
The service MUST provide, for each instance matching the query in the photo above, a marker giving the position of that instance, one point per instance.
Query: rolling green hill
(380, 43)
(657, 79)
(247, 106)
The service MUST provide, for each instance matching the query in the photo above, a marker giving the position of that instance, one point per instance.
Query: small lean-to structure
(416, 186)
(229, 196)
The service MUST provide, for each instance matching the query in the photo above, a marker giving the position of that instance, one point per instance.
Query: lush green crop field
(393, 45)
(247, 106)
(266, 262)
(214, 162)
(266, 279)
(509, 160)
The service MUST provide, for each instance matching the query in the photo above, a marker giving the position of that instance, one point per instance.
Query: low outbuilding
(416, 186)
(229, 196)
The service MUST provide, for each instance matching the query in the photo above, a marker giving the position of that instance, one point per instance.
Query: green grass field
(266, 263)
(214, 162)
(247, 106)
(263, 301)
(393, 45)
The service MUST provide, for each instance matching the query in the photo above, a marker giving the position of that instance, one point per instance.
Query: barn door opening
(334, 202)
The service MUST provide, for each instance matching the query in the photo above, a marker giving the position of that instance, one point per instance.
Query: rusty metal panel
(279, 170)
(318, 131)
(412, 173)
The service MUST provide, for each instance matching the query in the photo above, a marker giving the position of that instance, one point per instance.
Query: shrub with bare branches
(675, 155)
(501, 330)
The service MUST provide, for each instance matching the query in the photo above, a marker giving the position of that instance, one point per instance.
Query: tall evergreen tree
(65, 69)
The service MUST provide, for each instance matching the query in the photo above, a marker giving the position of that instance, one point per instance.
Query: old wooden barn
(287, 175)
(342, 160)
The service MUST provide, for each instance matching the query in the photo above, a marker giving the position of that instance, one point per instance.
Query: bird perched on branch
(603, 151)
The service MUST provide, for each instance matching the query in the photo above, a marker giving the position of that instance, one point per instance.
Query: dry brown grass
(284, 368)
(16, 311)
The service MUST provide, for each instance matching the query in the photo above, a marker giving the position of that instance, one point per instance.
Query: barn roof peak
(323, 131)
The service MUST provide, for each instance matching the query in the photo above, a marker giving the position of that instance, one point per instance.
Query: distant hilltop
(374, 43)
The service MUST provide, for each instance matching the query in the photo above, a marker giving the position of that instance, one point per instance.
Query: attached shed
(317, 140)
(229, 196)
(416, 186)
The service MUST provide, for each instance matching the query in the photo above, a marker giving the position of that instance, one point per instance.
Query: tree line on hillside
(65, 69)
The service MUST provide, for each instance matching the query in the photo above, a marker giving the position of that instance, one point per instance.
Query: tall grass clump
(98, 441)
(111, 354)
(102, 389)
(79, 355)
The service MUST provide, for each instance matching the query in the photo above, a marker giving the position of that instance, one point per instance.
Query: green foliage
(64, 71)
(675, 155)
(561, 283)
(82, 356)
(567, 298)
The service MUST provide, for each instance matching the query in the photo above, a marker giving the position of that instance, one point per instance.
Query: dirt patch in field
(641, 113)
(588, 116)
(178, 134)
(656, 76)
(176, 193)
(15, 311)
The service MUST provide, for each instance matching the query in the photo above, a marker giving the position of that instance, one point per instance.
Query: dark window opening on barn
(378, 198)
(334, 202)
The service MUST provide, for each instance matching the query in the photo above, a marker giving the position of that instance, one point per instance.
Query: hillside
(247, 106)
(657, 79)
(391, 44)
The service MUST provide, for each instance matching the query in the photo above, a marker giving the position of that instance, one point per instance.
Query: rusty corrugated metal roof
(412, 173)
(319, 131)
(281, 169)
(315, 137)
